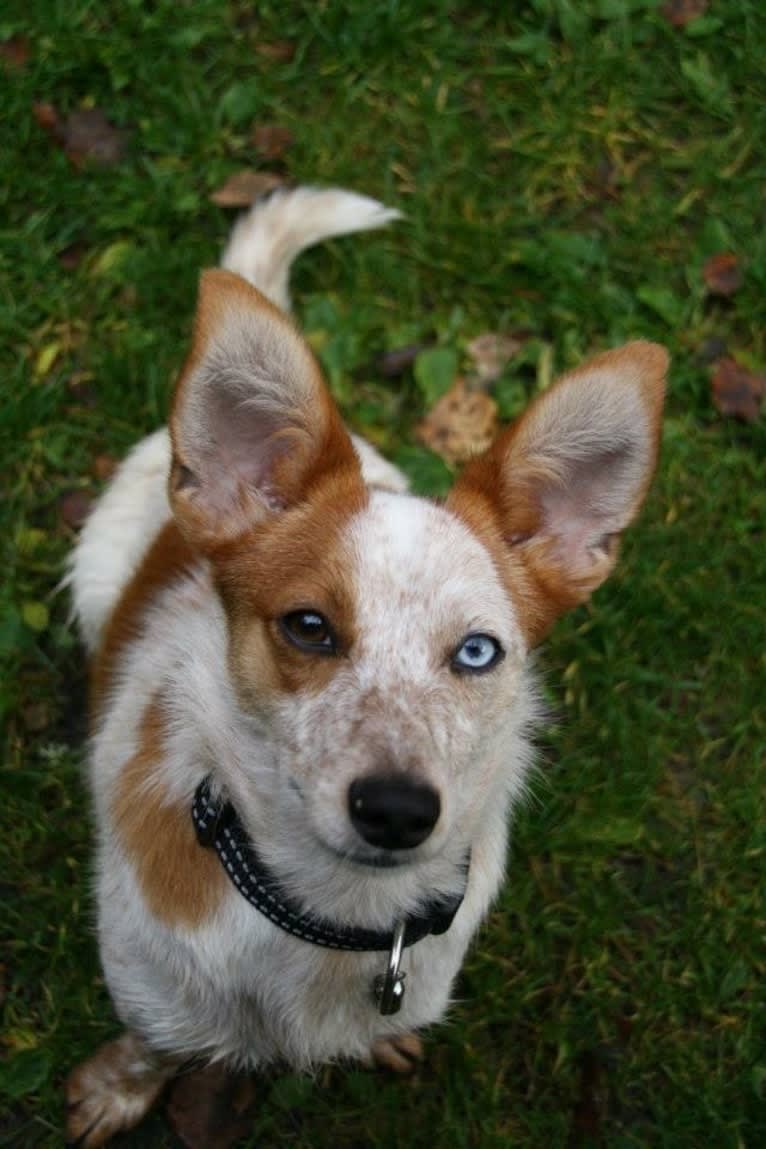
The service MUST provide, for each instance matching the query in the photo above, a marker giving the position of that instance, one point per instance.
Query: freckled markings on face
(422, 582)
(400, 579)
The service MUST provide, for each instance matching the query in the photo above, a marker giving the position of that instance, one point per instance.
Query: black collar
(218, 826)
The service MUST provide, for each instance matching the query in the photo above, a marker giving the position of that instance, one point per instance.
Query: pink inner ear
(241, 448)
(594, 499)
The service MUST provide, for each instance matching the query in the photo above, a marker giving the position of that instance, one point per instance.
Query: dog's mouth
(383, 860)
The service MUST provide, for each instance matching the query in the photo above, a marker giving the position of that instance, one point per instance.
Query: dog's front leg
(113, 1090)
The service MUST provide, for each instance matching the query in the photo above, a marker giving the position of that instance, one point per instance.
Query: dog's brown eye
(309, 631)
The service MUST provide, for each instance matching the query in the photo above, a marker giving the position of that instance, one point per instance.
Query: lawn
(566, 169)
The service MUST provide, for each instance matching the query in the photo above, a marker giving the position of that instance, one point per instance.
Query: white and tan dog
(279, 631)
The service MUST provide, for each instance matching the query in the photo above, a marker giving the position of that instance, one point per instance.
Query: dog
(311, 690)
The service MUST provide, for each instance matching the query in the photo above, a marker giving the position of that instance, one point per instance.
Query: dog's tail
(266, 240)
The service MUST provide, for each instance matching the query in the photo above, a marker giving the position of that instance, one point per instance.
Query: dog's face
(384, 666)
(379, 638)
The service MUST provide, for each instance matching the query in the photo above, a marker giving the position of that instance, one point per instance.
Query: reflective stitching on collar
(217, 826)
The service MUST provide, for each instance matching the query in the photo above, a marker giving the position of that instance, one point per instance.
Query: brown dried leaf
(245, 187)
(15, 53)
(46, 117)
(74, 508)
(462, 423)
(72, 256)
(281, 50)
(211, 1108)
(104, 467)
(36, 716)
(722, 274)
(491, 352)
(80, 387)
(394, 363)
(736, 391)
(713, 348)
(679, 13)
(87, 136)
(271, 140)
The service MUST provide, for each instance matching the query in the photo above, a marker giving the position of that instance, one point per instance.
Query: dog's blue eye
(476, 654)
(309, 631)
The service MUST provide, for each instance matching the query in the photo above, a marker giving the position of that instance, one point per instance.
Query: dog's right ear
(252, 424)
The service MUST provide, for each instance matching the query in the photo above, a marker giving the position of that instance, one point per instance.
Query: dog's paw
(112, 1091)
(400, 1054)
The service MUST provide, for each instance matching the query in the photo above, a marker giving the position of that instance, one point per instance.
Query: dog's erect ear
(252, 424)
(558, 487)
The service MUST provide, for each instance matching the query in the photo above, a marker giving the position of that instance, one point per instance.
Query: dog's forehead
(415, 563)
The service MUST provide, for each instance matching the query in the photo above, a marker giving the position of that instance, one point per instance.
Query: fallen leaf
(80, 386)
(271, 140)
(87, 136)
(211, 1108)
(72, 256)
(110, 259)
(46, 357)
(14, 53)
(461, 424)
(75, 507)
(722, 274)
(491, 352)
(282, 50)
(104, 467)
(394, 363)
(245, 187)
(29, 539)
(679, 13)
(36, 716)
(435, 370)
(737, 391)
(713, 348)
(46, 116)
(36, 616)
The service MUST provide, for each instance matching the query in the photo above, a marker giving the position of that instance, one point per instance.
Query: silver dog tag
(388, 988)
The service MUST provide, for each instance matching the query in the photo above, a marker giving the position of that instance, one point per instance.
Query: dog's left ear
(252, 424)
(558, 487)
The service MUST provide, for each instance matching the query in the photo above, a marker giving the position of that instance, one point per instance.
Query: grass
(565, 168)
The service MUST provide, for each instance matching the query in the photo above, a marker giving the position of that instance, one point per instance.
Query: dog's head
(377, 638)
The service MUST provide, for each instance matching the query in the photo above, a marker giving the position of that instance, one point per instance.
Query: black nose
(393, 812)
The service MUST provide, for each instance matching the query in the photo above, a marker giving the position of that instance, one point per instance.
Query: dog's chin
(380, 860)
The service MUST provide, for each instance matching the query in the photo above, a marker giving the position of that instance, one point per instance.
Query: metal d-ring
(389, 987)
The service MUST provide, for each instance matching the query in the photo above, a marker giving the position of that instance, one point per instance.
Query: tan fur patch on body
(182, 883)
(168, 558)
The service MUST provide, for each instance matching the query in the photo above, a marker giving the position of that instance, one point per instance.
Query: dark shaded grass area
(565, 169)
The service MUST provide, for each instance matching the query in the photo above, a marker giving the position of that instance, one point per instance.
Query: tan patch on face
(182, 882)
(539, 595)
(168, 558)
(297, 561)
